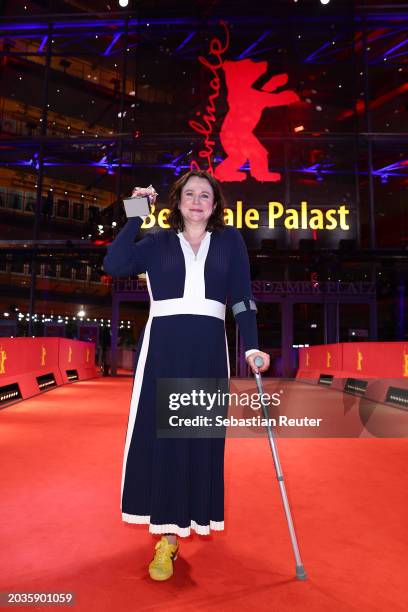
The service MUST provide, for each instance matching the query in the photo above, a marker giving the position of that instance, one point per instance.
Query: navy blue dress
(177, 485)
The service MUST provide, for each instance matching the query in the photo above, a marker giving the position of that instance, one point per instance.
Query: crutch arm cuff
(243, 306)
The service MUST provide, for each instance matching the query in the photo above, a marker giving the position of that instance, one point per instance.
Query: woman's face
(197, 200)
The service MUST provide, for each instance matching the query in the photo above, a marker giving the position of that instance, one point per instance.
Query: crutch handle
(258, 361)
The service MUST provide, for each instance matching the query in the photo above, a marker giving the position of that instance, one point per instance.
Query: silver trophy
(139, 206)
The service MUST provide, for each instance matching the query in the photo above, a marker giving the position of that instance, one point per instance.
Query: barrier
(76, 360)
(375, 370)
(29, 366)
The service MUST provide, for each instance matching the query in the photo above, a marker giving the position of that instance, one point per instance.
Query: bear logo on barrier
(3, 357)
(246, 105)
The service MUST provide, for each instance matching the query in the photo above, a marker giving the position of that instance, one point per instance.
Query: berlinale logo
(246, 104)
(3, 357)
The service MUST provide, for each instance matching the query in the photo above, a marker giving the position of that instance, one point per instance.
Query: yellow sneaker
(161, 567)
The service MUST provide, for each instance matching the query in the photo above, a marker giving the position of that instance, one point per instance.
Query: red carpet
(61, 529)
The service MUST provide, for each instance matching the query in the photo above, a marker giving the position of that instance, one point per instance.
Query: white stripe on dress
(137, 387)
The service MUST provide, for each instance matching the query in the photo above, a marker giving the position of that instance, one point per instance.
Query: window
(78, 211)
(66, 270)
(14, 200)
(63, 208)
(2, 197)
(30, 201)
(81, 272)
(50, 269)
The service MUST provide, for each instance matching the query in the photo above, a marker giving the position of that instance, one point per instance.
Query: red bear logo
(245, 108)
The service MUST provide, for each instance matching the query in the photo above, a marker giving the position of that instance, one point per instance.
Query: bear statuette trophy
(139, 204)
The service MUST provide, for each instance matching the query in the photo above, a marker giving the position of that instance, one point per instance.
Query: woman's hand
(149, 192)
(251, 359)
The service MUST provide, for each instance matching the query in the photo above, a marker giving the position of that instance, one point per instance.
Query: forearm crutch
(300, 571)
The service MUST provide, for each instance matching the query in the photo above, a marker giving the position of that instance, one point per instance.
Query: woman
(176, 485)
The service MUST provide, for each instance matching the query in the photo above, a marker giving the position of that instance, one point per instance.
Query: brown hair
(175, 218)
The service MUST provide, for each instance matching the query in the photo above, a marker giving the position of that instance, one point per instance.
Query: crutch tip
(300, 573)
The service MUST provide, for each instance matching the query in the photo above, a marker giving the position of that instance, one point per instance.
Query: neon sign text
(276, 216)
(205, 125)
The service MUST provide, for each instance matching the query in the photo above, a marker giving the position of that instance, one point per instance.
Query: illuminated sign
(289, 218)
(263, 289)
(313, 219)
(246, 103)
(204, 122)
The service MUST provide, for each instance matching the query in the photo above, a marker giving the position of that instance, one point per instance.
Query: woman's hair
(175, 218)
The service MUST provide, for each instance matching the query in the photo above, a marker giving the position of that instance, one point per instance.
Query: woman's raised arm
(124, 256)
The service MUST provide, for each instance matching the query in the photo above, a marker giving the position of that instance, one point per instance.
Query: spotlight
(123, 3)
(324, 1)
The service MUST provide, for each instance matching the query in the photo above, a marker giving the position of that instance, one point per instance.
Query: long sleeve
(240, 292)
(124, 256)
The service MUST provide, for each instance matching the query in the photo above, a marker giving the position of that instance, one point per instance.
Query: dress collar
(180, 235)
(188, 249)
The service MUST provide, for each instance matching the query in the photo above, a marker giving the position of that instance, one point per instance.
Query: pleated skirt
(174, 485)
